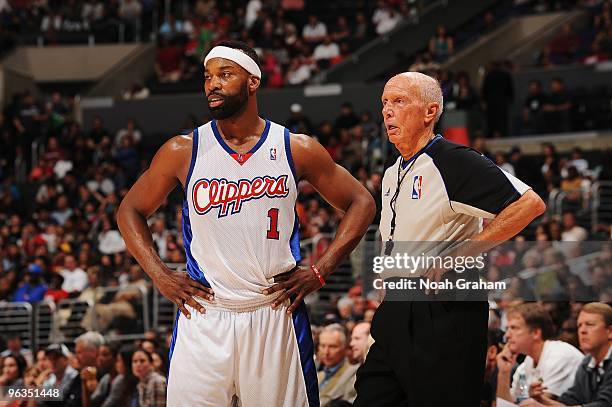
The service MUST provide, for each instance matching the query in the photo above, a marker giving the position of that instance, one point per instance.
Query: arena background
(89, 90)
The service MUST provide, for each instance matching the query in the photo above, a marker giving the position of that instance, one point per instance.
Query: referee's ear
(431, 114)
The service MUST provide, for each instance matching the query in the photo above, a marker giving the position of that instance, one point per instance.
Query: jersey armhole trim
(194, 155)
(448, 198)
(290, 156)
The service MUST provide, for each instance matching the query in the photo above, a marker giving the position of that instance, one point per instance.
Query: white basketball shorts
(246, 355)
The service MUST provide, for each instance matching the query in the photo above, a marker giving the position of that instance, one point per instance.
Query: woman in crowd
(123, 389)
(13, 369)
(151, 385)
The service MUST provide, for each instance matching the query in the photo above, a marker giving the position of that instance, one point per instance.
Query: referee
(432, 353)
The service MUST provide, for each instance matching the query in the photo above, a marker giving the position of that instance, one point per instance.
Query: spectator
(556, 109)
(463, 95)
(501, 162)
(299, 71)
(87, 347)
(98, 382)
(52, 22)
(92, 11)
(272, 70)
(55, 292)
(564, 46)
(32, 289)
(593, 381)
(497, 96)
(347, 119)
(75, 278)
(130, 12)
(13, 370)
(168, 62)
(341, 31)
(15, 347)
(441, 45)
(298, 123)
(424, 64)
(571, 185)
(136, 91)
(360, 338)
(387, 21)
(361, 30)
(62, 211)
(571, 231)
(345, 306)
(530, 329)
(98, 132)
(578, 161)
(130, 130)
(173, 28)
(128, 159)
(532, 108)
(62, 376)
(159, 362)
(252, 10)
(495, 339)
(325, 52)
(151, 385)
(124, 388)
(315, 31)
(337, 379)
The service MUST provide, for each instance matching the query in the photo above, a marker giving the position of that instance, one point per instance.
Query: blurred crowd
(588, 44)
(536, 353)
(58, 198)
(94, 373)
(59, 240)
(294, 40)
(52, 22)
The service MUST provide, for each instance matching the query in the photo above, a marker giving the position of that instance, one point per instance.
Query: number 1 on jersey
(273, 231)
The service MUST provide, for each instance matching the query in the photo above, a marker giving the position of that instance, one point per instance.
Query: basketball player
(238, 339)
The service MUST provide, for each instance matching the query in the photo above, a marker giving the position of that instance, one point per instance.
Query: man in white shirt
(314, 31)
(326, 51)
(593, 382)
(388, 22)
(554, 363)
(571, 231)
(75, 279)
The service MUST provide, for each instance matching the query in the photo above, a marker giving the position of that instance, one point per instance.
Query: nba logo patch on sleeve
(273, 153)
(417, 184)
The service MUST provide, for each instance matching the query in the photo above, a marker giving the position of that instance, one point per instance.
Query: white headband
(236, 56)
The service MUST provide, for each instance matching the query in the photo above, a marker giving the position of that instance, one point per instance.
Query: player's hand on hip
(179, 288)
(299, 283)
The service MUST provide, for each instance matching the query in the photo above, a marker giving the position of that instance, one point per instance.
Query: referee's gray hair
(91, 339)
(430, 89)
(336, 328)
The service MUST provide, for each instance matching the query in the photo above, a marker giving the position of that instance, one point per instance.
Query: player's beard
(232, 104)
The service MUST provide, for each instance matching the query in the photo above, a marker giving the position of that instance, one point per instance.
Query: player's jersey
(240, 228)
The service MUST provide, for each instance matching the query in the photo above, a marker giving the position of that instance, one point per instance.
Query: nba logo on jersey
(273, 153)
(417, 183)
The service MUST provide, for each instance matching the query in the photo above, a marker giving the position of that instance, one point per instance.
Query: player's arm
(169, 166)
(338, 187)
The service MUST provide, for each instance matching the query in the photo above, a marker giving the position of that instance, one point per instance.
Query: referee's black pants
(425, 354)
